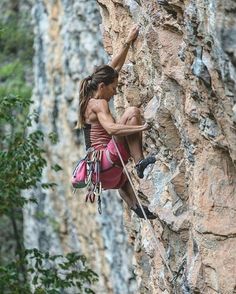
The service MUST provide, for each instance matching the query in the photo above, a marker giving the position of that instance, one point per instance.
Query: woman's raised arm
(119, 59)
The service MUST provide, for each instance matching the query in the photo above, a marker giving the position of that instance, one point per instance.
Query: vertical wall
(181, 72)
(68, 45)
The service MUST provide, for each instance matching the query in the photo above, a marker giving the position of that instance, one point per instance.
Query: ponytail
(83, 101)
(103, 74)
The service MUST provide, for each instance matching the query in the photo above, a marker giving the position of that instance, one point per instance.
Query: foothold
(181, 54)
(163, 2)
(169, 8)
(199, 69)
(195, 95)
(139, 2)
(195, 247)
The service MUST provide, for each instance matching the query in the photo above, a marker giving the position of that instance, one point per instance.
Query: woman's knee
(133, 111)
(132, 115)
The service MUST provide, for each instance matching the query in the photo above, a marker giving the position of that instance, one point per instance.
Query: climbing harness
(145, 216)
(87, 174)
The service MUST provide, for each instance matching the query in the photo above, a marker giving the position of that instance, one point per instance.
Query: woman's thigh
(127, 119)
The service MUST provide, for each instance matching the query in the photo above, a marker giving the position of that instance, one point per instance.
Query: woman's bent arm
(107, 121)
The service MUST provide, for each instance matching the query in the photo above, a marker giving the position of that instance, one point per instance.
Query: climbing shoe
(140, 214)
(142, 164)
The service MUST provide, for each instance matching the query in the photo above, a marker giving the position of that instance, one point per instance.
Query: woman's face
(107, 91)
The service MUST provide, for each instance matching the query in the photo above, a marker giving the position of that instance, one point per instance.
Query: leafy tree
(21, 154)
(16, 54)
(21, 164)
(49, 274)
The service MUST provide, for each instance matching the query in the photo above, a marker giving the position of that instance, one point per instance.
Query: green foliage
(13, 111)
(57, 167)
(9, 280)
(16, 39)
(21, 165)
(21, 154)
(16, 53)
(53, 138)
(49, 274)
(9, 69)
(12, 78)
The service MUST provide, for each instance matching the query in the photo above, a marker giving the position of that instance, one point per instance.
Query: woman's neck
(96, 95)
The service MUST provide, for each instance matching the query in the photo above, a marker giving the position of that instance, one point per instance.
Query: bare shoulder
(99, 105)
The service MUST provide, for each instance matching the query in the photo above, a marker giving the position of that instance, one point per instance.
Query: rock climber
(99, 127)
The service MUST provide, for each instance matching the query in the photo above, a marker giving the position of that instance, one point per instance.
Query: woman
(99, 127)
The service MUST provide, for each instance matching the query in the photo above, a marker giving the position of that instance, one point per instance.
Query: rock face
(181, 72)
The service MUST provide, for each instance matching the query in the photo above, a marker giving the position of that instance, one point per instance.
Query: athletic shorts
(112, 174)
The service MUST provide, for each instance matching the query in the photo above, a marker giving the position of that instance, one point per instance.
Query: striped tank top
(95, 136)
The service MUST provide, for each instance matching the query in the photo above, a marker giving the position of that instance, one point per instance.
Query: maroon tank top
(95, 136)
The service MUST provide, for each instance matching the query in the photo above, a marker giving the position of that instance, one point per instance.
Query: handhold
(199, 69)
(163, 2)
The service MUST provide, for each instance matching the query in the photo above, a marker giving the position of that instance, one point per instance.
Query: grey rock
(199, 69)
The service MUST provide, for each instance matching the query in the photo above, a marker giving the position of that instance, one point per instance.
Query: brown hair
(102, 74)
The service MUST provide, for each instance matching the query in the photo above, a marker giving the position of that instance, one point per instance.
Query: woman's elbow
(111, 131)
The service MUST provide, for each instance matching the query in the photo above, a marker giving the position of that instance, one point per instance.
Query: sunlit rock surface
(181, 73)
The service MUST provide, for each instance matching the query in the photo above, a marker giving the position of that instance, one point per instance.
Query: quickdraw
(93, 182)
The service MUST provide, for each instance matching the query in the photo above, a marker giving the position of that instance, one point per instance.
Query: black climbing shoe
(142, 164)
(140, 214)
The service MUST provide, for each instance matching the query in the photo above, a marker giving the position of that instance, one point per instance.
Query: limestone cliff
(181, 72)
